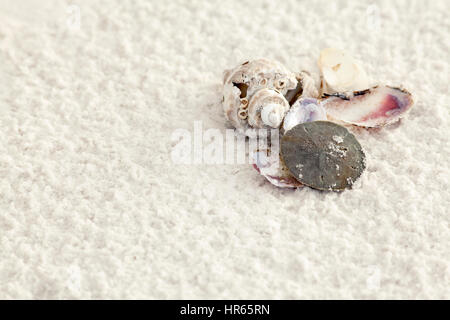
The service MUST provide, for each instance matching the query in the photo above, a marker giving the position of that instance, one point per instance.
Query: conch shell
(245, 106)
(340, 72)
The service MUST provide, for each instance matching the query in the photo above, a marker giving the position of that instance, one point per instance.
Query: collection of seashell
(316, 148)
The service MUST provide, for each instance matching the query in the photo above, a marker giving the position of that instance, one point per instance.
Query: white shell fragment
(340, 72)
(306, 88)
(374, 107)
(273, 169)
(267, 107)
(243, 82)
(309, 88)
(304, 110)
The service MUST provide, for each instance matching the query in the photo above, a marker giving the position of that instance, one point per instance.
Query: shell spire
(267, 109)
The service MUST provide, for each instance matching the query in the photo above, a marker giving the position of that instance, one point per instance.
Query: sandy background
(91, 205)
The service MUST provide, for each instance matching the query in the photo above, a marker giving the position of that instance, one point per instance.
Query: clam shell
(323, 155)
(374, 107)
(341, 72)
(274, 171)
(304, 110)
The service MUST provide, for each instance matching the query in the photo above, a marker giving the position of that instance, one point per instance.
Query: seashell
(267, 108)
(274, 171)
(309, 89)
(306, 87)
(323, 155)
(304, 110)
(374, 107)
(244, 81)
(341, 72)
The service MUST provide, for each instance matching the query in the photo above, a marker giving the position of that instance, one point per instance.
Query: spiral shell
(242, 83)
(267, 109)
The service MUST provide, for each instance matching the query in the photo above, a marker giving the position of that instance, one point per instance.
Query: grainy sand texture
(92, 206)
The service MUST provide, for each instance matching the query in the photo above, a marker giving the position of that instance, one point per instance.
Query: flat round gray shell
(323, 155)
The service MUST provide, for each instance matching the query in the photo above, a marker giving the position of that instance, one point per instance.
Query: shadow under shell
(323, 155)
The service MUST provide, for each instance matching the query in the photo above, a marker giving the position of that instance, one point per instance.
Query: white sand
(92, 206)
